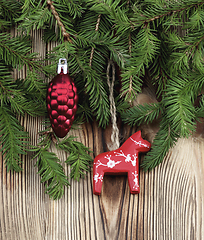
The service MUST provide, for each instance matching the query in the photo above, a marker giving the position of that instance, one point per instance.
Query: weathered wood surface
(170, 205)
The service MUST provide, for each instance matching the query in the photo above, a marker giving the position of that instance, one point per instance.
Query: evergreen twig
(79, 157)
(13, 139)
(49, 167)
(92, 49)
(56, 15)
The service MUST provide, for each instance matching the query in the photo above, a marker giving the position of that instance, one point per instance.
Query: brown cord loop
(115, 131)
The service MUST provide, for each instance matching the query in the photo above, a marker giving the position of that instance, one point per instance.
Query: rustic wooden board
(170, 205)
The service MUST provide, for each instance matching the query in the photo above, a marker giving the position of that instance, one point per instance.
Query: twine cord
(115, 131)
(56, 15)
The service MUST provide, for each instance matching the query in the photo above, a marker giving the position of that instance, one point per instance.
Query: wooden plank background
(170, 205)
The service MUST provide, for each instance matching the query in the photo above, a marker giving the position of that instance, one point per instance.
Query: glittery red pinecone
(62, 101)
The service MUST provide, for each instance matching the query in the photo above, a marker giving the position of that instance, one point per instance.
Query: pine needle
(13, 139)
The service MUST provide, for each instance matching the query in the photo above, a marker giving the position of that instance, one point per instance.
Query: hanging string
(115, 131)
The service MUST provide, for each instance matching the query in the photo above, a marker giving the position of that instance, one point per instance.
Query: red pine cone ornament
(62, 100)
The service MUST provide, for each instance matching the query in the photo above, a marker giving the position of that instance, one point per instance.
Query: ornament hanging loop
(62, 66)
(115, 131)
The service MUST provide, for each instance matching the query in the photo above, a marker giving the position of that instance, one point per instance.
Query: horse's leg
(133, 181)
(97, 181)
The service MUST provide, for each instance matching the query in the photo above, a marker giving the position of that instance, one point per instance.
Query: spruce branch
(164, 140)
(74, 8)
(200, 109)
(6, 82)
(145, 46)
(34, 83)
(49, 167)
(13, 139)
(130, 50)
(155, 11)
(9, 11)
(121, 105)
(189, 83)
(179, 107)
(92, 49)
(14, 94)
(15, 51)
(51, 172)
(59, 22)
(20, 104)
(142, 114)
(117, 12)
(98, 97)
(79, 157)
(34, 20)
(159, 68)
(186, 52)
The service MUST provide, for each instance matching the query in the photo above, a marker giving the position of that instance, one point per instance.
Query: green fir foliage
(50, 168)
(13, 139)
(140, 114)
(15, 100)
(163, 141)
(79, 158)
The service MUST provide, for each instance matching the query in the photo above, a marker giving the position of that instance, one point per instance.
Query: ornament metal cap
(62, 66)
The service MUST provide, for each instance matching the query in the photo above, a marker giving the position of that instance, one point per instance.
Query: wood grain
(170, 205)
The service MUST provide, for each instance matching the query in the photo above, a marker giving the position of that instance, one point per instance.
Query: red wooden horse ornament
(119, 161)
